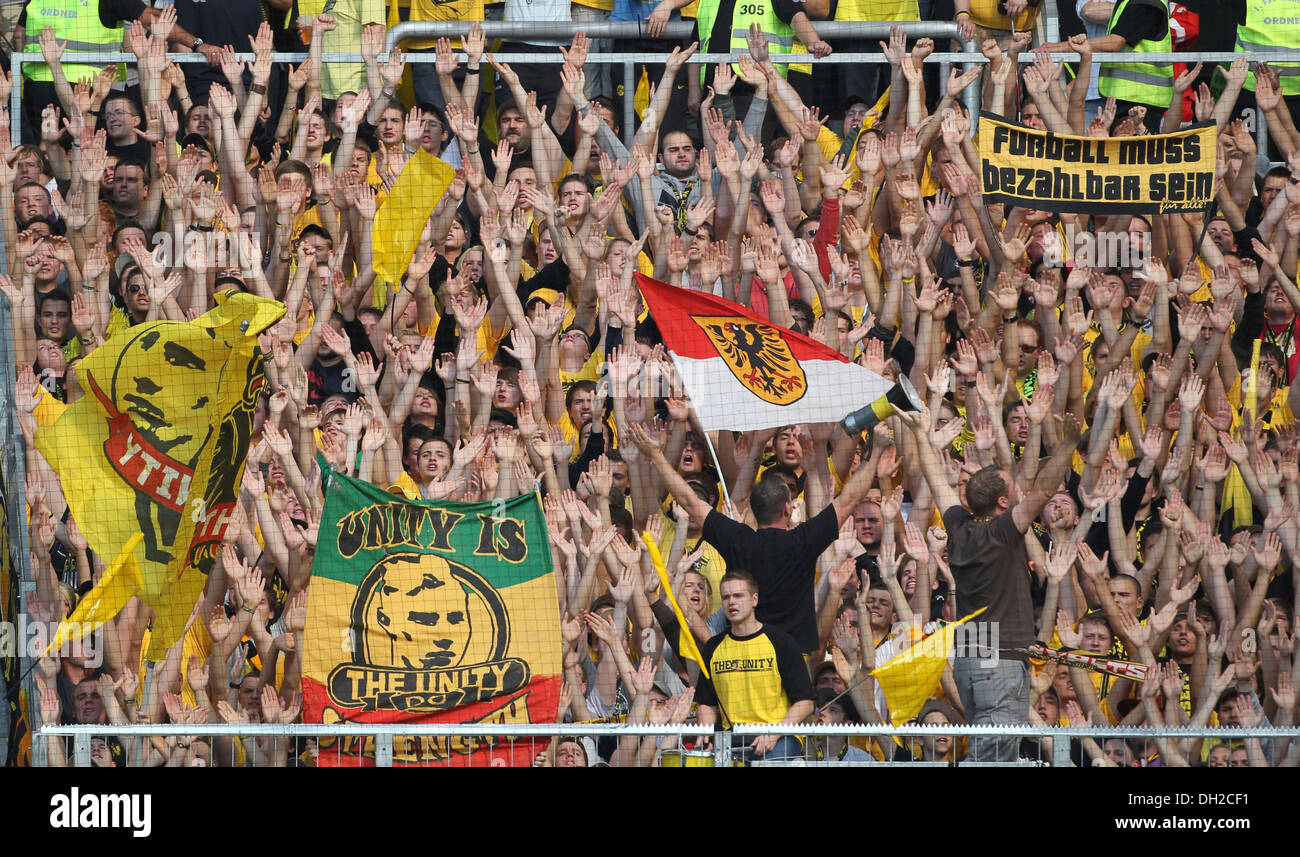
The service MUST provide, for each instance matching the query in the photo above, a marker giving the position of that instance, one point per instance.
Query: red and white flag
(744, 373)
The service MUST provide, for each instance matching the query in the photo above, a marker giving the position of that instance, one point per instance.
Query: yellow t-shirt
(405, 486)
(573, 435)
(441, 10)
(118, 321)
(877, 10)
(1136, 351)
(488, 339)
(745, 674)
(590, 371)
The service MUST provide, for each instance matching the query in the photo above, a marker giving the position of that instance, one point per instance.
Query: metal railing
(680, 31)
(541, 733)
(13, 456)
(675, 31)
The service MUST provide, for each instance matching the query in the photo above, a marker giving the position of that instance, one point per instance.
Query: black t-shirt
(1218, 24)
(140, 151)
(554, 276)
(1141, 21)
(113, 12)
(324, 381)
(783, 562)
(227, 22)
(991, 567)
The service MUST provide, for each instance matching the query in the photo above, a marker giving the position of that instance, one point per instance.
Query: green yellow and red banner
(430, 612)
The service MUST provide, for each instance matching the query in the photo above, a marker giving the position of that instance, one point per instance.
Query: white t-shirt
(538, 10)
(1092, 31)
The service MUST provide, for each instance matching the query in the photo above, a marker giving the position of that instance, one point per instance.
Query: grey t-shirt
(989, 562)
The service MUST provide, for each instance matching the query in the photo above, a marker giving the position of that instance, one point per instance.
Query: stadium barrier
(390, 745)
(12, 463)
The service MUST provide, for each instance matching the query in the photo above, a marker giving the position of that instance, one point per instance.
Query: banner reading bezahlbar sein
(1150, 174)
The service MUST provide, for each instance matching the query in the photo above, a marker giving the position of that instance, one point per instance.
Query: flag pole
(722, 477)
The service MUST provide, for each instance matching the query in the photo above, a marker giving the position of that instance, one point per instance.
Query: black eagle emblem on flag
(758, 355)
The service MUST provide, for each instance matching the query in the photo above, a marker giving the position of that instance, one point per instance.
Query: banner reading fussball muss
(1151, 174)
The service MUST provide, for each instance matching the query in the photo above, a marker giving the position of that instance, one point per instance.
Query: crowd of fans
(516, 354)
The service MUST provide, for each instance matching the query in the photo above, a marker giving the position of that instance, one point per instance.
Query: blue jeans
(993, 695)
(787, 747)
(425, 83)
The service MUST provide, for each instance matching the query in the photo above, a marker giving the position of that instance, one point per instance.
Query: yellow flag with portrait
(156, 447)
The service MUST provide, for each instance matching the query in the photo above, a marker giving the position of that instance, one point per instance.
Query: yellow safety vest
(1144, 83)
(1272, 25)
(780, 35)
(78, 24)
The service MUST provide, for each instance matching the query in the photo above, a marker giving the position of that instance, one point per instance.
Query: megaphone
(902, 394)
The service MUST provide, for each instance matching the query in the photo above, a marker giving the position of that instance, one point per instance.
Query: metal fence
(676, 32)
(397, 745)
(13, 461)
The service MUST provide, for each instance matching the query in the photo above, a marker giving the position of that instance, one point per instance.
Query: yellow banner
(686, 647)
(401, 219)
(120, 583)
(911, 677)
(1150, 174)
(156, 446)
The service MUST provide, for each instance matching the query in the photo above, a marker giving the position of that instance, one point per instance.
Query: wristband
(86, 340)
(965, 263)
(961, 12)
(187, 746)
(462, 380)
(259, 88)
(93, 112)
(473, 151)
(196, 228)
(251, 611)
(1010, 319)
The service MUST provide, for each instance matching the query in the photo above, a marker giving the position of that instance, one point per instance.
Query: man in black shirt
(229, 22)
(986, 551)
(782, 560)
